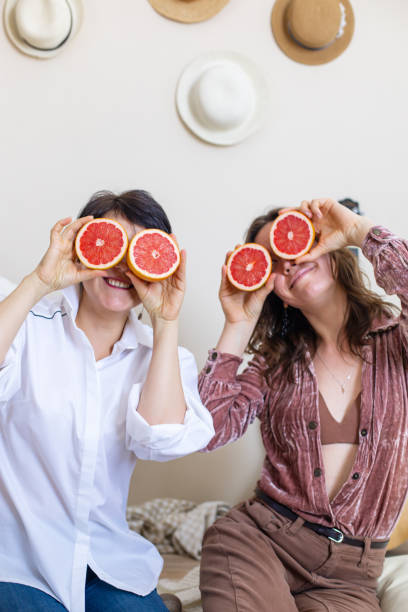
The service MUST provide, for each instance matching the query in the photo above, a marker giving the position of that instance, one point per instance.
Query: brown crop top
(333, 432)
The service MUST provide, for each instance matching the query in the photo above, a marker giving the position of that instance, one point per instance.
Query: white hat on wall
(222, 97)
(41, 28)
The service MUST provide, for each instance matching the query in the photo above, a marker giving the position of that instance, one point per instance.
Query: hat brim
(24, 46)
(297, 52)
(188, 12)
(188, 79)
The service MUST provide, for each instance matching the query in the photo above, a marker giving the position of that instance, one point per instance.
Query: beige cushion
(393, 584)
(400, 532)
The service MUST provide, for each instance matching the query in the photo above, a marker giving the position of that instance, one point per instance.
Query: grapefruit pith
(249, 266)
(292, 235)
(101, 243)
(153, 255)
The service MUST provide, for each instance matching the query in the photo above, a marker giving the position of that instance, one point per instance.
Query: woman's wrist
(35, 286)
(162, 327)
(360, 231)
(235, 337)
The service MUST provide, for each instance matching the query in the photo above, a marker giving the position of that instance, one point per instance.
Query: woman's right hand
(242, 306)
(58, 268)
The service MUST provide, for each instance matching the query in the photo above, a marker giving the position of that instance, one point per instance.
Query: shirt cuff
(376, 236)
(221, 366)
(169, 440)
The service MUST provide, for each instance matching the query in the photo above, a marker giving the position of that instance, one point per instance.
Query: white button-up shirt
(70, 435)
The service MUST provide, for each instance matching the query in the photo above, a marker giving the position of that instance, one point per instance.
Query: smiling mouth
(117, 284)
(300, 275)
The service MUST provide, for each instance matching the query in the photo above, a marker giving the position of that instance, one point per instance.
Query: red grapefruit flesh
(101, 243)
(153, 255)
(292, 235)
(249, 267)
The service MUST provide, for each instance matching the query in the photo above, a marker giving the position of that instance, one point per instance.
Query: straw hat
(312, 31)
(222, 97)
(188, 11)
(41, 28)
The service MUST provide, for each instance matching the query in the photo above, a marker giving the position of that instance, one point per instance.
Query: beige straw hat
(188, 11)
(312, 31)
(41, 28)
(222, 97)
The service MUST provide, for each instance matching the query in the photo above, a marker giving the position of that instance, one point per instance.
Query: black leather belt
(332, 533)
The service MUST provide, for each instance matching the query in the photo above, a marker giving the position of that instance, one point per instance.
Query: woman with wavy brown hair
(328, 382)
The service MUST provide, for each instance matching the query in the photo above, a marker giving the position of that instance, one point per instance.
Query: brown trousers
(255, 560)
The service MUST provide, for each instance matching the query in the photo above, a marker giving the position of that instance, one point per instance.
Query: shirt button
(317, 472)
(364, 432)
(214, 355)
(208, 370)
(312, 425)
(356, 476)
(377, 232)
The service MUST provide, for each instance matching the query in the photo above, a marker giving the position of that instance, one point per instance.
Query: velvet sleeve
(234, 400)
(389, 257)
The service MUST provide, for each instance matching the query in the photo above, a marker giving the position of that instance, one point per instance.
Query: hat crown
(223, 96)
(43, 24)
(314, 23)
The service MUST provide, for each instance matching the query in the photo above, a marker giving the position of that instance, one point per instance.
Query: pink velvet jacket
(370, 500)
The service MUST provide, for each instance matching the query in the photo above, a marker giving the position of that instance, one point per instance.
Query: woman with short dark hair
(329, 384)
(85, 390)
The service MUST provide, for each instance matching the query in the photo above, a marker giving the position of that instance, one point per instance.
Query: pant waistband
(332, 533)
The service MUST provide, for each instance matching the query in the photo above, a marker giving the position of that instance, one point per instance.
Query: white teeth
(117, 283)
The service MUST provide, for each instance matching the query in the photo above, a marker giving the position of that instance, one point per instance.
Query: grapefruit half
(153, 255)
(292, 235)
(101, 243)
(249, 266)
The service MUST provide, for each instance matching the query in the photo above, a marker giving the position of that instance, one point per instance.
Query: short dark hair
(136, 205)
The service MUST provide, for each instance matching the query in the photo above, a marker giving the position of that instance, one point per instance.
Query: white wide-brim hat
(41, 28)
(222, 97)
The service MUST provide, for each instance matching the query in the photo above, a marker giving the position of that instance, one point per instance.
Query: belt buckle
(340, 536)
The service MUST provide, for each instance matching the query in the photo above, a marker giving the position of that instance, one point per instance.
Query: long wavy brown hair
(286, 344)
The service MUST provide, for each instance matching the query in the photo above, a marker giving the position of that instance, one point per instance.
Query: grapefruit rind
(115, 260)
(310, 240)
(143, 273)
(268, 269)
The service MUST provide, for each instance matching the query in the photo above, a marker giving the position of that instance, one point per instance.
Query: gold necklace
(341, 384)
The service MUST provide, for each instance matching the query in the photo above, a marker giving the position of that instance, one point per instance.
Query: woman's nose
(287, 266)
(122, 265)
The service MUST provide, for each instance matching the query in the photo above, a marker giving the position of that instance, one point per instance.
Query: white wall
(102, 115)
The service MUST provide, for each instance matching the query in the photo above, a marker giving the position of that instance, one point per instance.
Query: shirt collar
(383, 323)
(135, 332)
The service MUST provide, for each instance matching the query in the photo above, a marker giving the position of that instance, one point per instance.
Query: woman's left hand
(336, 227)
(162, 299)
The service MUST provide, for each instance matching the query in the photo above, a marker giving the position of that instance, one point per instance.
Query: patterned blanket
(175, 525)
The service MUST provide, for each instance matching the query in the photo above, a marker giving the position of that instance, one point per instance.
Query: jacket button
(312, 425)
(377, 232)
(317, 472)
(356, 476)
(214, 355)
(364, 432)
(208, 370)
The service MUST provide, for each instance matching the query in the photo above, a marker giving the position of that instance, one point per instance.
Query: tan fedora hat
(41, 28)
(312, 31)
(188, 11)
